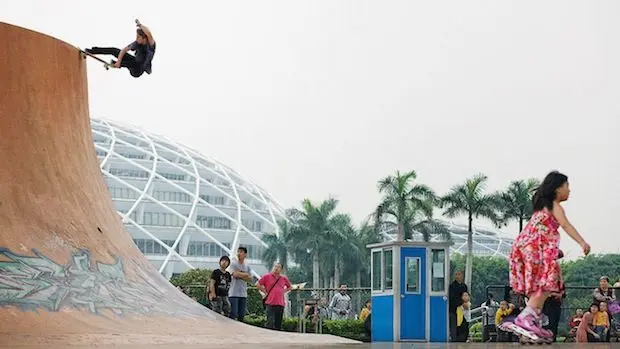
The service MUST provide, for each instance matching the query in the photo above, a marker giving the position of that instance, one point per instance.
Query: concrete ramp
(69, 272)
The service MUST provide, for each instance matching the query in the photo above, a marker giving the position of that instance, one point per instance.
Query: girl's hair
(545, 194)
(225, 258)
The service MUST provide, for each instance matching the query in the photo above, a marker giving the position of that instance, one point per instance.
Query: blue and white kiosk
(413, 306)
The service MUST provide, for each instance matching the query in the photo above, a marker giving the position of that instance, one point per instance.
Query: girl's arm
(560, 215)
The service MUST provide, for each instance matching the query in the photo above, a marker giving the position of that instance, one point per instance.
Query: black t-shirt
(455, 294)
(222, 282)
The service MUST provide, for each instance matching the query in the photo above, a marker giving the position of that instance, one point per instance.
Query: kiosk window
(438, 271)
(376, 271)
(412, 279)
(387, 263)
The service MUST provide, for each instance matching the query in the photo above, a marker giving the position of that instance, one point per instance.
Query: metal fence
(302, 304)
(577, 297)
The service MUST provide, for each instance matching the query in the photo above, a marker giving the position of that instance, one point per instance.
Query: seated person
(575, 320)
(585, 332)
(502, 313)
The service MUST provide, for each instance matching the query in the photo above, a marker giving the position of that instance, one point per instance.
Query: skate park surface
(70, 275)
(363, 346)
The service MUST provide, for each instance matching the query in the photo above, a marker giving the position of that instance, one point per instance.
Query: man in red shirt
(274, 285)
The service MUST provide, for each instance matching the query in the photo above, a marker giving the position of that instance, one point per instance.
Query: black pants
(452, 324)
(462, 332)
(129, 61)
(274, 317)
(486, 332)
(553, 309)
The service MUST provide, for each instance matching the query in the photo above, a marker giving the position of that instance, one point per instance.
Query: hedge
(353, 329)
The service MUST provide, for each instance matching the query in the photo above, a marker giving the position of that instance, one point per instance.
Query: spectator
(218, 287)
(463, 318)
(238, 293)
(616, 288)
(275, 285)
(365, 315)
(340, 306)
(575, 321)
(489, 309)
(603, 293)
(600, 322)
(585, 333)
(365, 311)
(503, 312)
(455, 295)
(322, 313)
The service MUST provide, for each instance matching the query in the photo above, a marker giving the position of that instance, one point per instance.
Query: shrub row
(353, 329)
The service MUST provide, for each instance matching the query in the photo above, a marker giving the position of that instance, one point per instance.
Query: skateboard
(525, 337)
(106, 65)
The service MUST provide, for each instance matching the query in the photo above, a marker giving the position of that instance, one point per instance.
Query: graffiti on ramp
(32, 283)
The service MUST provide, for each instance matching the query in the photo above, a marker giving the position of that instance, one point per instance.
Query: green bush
(255, 302)
(340, 327)
(194, 277)
(475, 332)
(353, 329)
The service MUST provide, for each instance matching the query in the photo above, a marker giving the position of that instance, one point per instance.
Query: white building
(182, 208)
(485, 241)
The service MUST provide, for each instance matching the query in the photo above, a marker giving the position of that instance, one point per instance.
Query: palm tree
(407, 206)
(516, 201)
(278, 250)
(313, 230)
(470, 199)
(344, 247)
(359, 262)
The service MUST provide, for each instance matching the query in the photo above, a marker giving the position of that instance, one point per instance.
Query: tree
(407, 206)
(516, 201)
(470, 199)
(346, 249)
(278, 249)
(313, 229)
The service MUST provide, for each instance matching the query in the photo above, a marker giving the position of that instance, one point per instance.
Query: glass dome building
(182, 208)
(486, 241)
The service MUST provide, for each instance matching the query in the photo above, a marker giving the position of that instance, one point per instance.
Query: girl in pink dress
(534, 269)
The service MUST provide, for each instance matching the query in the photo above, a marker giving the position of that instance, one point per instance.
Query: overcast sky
(312, 98)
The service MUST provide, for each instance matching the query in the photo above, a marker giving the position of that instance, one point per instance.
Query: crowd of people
(599, 323)
(227, 293)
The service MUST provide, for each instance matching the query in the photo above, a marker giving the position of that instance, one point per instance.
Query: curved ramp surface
(69, 272)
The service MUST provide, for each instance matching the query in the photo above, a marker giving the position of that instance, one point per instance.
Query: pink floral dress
(533, 260)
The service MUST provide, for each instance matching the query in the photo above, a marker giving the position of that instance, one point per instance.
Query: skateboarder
(144, 46)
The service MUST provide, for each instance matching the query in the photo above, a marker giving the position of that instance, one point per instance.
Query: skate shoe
(530, 323)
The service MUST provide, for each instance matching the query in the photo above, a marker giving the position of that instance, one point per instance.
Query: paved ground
(364, 346)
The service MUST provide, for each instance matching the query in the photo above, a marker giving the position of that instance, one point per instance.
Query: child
(504, 311)
(219, 284)
(144, 45)
(575, 321)
(534, 269)
(365, 311)
(463, 318)
(585, 333)
(600, 322)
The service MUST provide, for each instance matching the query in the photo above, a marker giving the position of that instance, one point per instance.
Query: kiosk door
(413, 294)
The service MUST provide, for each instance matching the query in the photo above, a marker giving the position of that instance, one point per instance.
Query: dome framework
(198, 197)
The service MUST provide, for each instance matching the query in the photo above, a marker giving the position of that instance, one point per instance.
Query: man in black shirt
(218, 288)
(455, 294)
